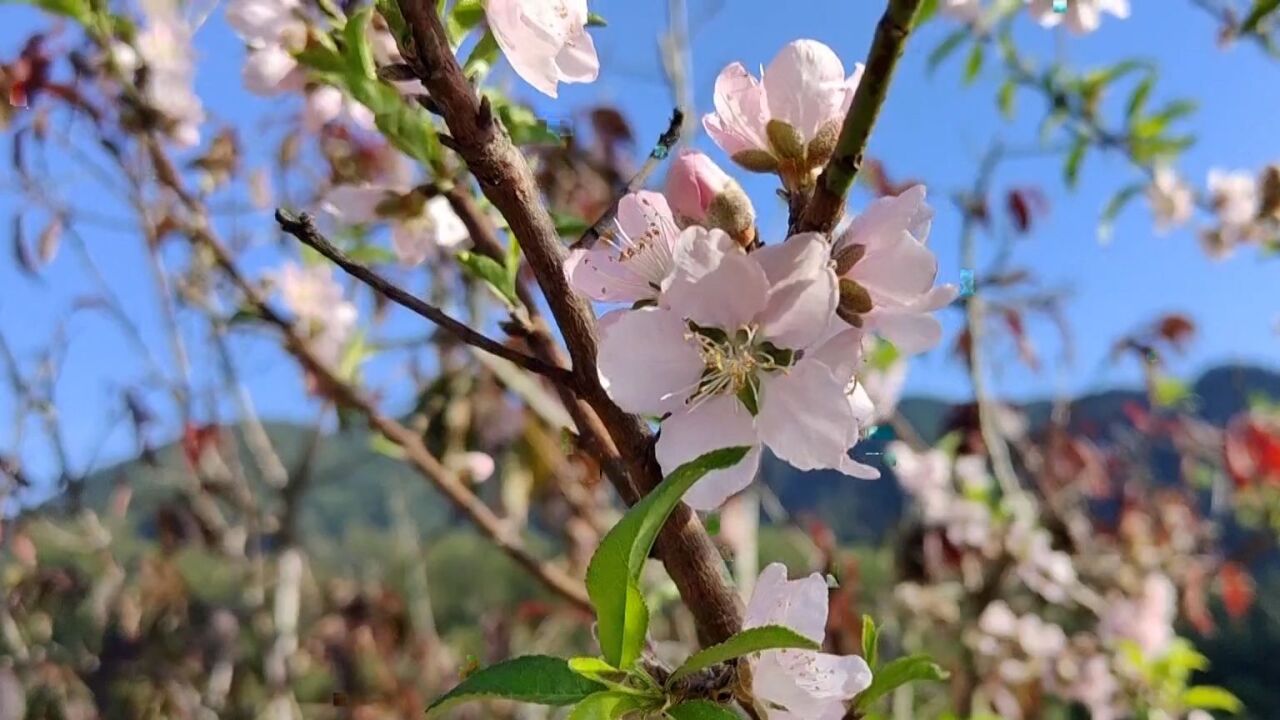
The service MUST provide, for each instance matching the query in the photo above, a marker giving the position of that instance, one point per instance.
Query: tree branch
(506, 180)
(303, 228)
(824, 209)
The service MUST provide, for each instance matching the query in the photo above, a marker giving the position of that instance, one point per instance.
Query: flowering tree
(588, 332)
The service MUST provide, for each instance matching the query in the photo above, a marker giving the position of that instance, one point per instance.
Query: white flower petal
(805, 417)
(646, 363)
(712, 424)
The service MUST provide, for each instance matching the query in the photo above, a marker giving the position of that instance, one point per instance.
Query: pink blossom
(720, 358)
(1146, 620)
(324, 315)
(968, 11)
(267, 22)
(889, 260)
(800, 684)
(703, 194)
(804, 87)
(634, 259)
(418, 230)
(546, 41)
(1172, 200)
(1235, 197)
(326, 103)
(270, 70)
(1082, 16)
(165, 46)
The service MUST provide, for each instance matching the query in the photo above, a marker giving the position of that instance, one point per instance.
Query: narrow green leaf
(535, 679)
(1138, 98)
(973, 65)
(614, 572)
(753, 640)
(926, 11)
(600, 671)
(468, 13)
(390, 11)
(610, 705)
(870, 641)
(1075, 156)
(1211, 697)
(482, 56)
(1115, 206)
(358, 51)
(512, 262)
(700, 710)
(1004, 98)
(488, 270)
(1259, 12)
(945, 48)
(596, 20)
(900, 672)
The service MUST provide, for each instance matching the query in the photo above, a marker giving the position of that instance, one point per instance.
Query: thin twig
(415, 451)
(303, 228)
(824, 209)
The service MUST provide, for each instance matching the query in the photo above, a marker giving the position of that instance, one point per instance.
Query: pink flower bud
(693, 183)
(701, 193)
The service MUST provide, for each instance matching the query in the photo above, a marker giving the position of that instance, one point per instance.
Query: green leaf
(482, 56)
(753, 640)
(468, 13)
(1260, 10)
(926, 11)
(973, 65)
(355, 37)
(367, 254)
(1004, 98)
(596, 20)
(512, 263)
(522, 124)
(598, 670)
(1169, 391)
(1114, 206)
(1075, 156)
(700, 710)
(945, 48)
(569, 225)
(613, 575)
(611, 705)
(870, 641)
(1211, 697)
(390, 11)
(488, 270)
(900, 672)
(78, 10)
(535, 679)
(1138, 98)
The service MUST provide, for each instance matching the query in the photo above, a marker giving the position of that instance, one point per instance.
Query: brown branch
(823, 210)
(416, 453)
(506, 180)
(303, 228)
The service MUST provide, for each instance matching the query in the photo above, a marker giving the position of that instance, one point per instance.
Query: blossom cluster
(729, 341)
(1246, 208)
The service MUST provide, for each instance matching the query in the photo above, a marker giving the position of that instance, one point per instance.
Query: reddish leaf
(1238, 589)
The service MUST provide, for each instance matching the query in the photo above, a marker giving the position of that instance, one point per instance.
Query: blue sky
(932, 129)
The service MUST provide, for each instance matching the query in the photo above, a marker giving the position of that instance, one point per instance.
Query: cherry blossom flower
(926, 476)
(634, 260)
(326, 104)
(1082, 16)
(1172, 201)
(165, 46)
(787, 121)
(887, 273)
(800, 684)
(273, 30)
(1146, 620)
(1234, 196)
(325, 317)
(546, 41)
(701, 193)
(420, 227)
(739, 354)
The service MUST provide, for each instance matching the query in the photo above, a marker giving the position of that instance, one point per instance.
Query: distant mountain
(866, 511)
(355, 487)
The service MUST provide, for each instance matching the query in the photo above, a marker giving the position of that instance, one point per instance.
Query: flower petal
(739, 120)
(717, 288)
(715, 423)
(645, 362)
(805, 86)
(805, 417)
(803, 293)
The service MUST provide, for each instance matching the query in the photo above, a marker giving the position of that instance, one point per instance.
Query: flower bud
(701, 193)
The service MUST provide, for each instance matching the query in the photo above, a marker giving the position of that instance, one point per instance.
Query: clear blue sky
(931, 128)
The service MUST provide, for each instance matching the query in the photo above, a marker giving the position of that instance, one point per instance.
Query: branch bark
(825, 207)
(506, 180)
(302, 228)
